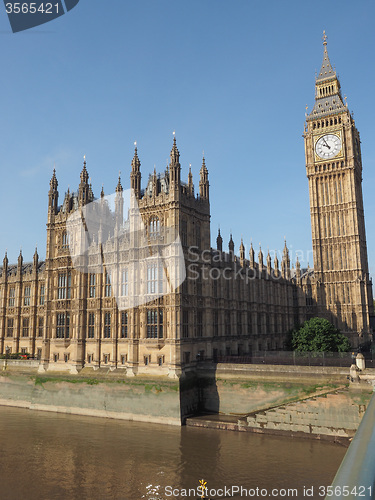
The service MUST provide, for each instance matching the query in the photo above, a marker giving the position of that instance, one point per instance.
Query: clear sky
(232, 78)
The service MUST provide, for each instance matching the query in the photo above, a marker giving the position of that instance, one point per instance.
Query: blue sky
(231, 78)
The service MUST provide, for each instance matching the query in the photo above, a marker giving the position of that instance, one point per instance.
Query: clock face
(328, 146)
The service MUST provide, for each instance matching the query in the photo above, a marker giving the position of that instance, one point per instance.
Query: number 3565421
(32, 8)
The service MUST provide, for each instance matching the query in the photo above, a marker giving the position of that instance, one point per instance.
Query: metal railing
(356, 475)
(338, 359)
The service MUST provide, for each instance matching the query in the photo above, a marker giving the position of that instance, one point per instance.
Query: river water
(48, 456)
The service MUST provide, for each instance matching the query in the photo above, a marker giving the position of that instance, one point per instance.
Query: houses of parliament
(230, 303)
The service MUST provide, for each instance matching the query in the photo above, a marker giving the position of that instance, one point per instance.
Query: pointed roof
(36, 257)
(231, 243)
(119, 186)
(276, 261)
(219, 241)
(331, 102)
(175, 154)
(136, 164)
(91, 194)
(285, 251)
(268, 257)
(251, 251)
(53, 182)
(326, 71)
(204, 168)
(260, 254)
(84, 173)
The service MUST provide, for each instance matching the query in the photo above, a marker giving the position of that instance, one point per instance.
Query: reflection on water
(54, 456)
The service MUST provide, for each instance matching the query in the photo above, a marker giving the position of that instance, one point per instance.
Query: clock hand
(326, 144)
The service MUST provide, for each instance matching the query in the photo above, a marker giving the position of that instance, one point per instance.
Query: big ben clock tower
(334, 171)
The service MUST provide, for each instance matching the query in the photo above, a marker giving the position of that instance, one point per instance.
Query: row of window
(26, 296)
(326, 123)
(154, 325)
(264, 323)
(155, 277)
(25, 332)
(153, 231)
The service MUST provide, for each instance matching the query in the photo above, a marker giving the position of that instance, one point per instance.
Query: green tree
(318, 334)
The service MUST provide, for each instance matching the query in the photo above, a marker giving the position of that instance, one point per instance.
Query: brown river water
(46, 456)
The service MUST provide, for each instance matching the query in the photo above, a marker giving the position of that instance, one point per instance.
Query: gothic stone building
(228, 304)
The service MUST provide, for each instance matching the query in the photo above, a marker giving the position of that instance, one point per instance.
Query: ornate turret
(5, 266)
(260, 259)
(154, 183)
(135, 176)
(204, 186)
(251, 255)
(119, 202)
(119, 188)
(175, 167)
(83, 190)
(276, 265)
(242, 253)
(36, 259)
(53, 194)
(190, 182)
(269, 263)
(231, 246)
(298, 271)
(91, 194)
(285, 263)
(20, 262)
(219, 242)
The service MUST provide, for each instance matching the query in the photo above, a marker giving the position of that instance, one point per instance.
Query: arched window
(65, 240)
(154, 227)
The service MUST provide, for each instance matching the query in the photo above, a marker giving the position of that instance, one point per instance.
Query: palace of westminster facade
(228, 304)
